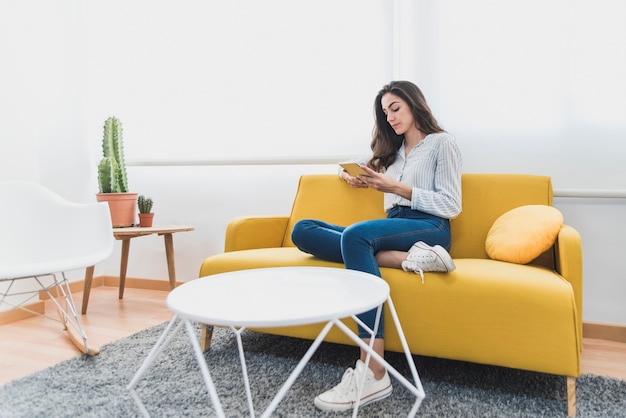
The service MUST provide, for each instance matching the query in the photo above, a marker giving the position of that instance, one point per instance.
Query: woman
(417, 166)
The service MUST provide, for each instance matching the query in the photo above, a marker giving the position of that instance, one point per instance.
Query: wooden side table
(125, 235)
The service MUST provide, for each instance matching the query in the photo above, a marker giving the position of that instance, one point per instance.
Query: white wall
(206, 80)
(518, 98)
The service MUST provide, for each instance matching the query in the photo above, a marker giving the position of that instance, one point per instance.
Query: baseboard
(134, 283)
(610, 332)
(13, 315)
(77, 286)
(148, 284)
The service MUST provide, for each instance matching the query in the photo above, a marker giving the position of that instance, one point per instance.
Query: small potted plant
(112, 179)
(145, 211)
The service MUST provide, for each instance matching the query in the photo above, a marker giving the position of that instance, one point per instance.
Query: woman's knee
(300, 230)
(358, 232)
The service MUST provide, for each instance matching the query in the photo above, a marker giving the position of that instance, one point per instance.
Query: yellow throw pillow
(524, 233)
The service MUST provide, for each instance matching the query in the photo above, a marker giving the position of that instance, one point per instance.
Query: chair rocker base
(68, 315)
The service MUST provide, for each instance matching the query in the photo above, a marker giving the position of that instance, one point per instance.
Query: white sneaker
(422, 257)
(343, 396)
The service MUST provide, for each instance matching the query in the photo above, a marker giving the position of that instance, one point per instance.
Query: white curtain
(529, 86)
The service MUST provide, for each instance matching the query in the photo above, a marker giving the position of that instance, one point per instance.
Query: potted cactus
(112, 179)
(145, 211)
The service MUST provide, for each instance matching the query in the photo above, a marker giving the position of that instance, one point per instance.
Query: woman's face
(398, 112)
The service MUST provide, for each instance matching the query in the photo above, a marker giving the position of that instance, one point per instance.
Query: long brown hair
(385, 142)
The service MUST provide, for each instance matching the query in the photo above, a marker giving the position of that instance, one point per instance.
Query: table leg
(124, 265)
(168, 334)
(407, 352)
(244, 369)
(416, 389)
(87, 287)
(169, 253)
(296, 372)
(158, 347)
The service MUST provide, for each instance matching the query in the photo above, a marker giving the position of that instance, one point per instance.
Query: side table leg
(124, 265)
(169, 253)
(87, 287)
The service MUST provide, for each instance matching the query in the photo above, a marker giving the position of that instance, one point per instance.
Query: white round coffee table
(277, 297)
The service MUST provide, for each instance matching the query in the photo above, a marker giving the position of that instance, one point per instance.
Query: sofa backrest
(485, 198)
(329, 198)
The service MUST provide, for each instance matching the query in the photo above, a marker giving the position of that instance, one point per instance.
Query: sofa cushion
(260, 258)
(486, 311)
(522, 234)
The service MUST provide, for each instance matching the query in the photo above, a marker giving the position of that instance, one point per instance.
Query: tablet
(353, 169)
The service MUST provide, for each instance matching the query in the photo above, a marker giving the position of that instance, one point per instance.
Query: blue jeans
(356, 245)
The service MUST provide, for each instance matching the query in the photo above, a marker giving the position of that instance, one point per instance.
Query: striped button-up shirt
(433, 170)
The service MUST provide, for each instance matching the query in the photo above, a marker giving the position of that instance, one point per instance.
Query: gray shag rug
(96, 386)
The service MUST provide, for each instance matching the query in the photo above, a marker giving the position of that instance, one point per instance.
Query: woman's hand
(386, 184)
(354, 181)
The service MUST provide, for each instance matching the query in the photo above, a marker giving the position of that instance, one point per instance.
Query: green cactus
(112, 168)
(144, 204)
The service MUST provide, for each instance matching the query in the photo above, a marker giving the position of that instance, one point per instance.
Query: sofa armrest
(569, 264)
(246, 233)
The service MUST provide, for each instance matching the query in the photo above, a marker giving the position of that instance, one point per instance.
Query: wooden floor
(36, 343)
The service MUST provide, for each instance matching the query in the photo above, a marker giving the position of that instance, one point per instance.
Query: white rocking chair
(42, 236)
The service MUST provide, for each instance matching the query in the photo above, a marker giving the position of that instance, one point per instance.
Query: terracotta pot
(145, 219)
(123, 207)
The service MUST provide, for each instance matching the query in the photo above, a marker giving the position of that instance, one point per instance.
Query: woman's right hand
(353, 181)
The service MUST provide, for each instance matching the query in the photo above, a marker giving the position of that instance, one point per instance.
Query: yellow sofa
(486, 311)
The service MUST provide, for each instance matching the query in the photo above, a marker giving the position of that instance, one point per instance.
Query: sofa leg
(571, 396)
(205, 336)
